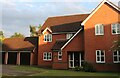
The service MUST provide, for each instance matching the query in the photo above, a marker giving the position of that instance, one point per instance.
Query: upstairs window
(68, 36)
(116, 57)
(59, 55)
(100, 56)
(99, 29)
(115, 28)
(48, 37)
(47, 56)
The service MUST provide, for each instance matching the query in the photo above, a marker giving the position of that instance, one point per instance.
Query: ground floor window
(59, 55)
(47, 56)
(100, 56)
(116, 57)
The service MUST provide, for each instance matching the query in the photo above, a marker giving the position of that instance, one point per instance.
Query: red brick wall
(105, 15)
(46, 47)
(76, 45)
(60, 64)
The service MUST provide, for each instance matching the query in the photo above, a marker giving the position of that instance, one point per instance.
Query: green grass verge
(51, 72)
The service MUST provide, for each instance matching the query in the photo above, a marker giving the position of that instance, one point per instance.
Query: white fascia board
(46, 30)
(97, 10)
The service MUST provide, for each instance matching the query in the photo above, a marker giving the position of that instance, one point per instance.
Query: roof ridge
(15, 38)
(67, 15)
(67, 23)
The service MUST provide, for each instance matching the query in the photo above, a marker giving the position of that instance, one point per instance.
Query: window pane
(101, 29)
(113, 31)
(98, 52)
(60, 53)
(71, 63)
(118, 28)
(115, 58)
(102, 52)
(102, 58)
(50, 37)
(115, 53)
(119, 53)
(119, 59)
(98, 58)
(96, 29)
(45, 56)
(114, 28)
(49, 56)
(69, 36)
(60, 57)
(71, 56)
(45, 38)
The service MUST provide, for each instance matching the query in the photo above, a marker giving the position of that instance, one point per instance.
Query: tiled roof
(65, 28)
(53, 21)
(58, 44)
(19, 44)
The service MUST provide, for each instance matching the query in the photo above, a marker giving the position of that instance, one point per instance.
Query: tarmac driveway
(8, 70)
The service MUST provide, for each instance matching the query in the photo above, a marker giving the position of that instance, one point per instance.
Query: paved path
(7, 70)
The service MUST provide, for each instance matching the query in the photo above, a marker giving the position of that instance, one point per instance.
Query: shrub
(77, 68)
(88, 67)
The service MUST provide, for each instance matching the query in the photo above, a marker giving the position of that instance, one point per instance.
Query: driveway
(8, 70)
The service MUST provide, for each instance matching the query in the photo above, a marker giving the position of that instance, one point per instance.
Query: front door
(74, 59)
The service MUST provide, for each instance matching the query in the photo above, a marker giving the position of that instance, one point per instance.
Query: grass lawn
(51, 72)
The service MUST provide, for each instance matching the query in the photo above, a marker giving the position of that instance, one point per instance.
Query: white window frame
(47, 55)
(116, 27)
(118, 56)
(48, 38)
(60, 55)
(69, 35)
(99, 29)
(100, 56)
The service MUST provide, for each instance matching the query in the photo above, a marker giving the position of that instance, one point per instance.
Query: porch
(75, 59)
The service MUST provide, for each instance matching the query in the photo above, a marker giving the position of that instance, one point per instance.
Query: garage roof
(19, 44)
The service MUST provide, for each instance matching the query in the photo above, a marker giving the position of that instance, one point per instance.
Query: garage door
(25, 58)
(12, 57)
(3, 57)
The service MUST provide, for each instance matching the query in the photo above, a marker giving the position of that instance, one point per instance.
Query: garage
(25, 58)
(17, 51)
(12, 57)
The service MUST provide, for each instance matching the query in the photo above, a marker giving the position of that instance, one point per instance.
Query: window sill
(115, 33)
(59, 59)
(100, 62)
(116, 62)
(47, 60)
(47, 41)
(99, 34)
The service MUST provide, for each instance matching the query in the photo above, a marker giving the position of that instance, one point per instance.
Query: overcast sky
(17, 15)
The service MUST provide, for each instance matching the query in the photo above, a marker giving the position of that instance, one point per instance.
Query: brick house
(67, 41)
